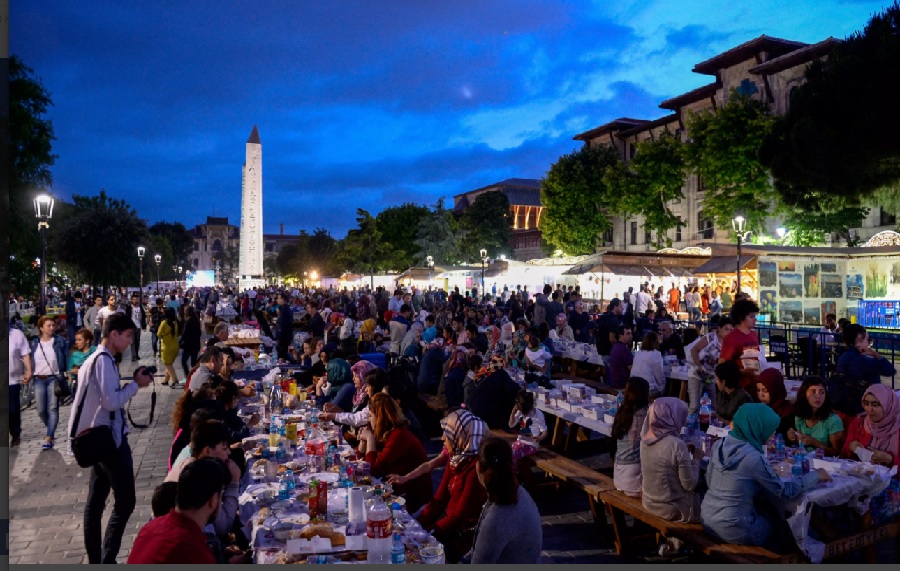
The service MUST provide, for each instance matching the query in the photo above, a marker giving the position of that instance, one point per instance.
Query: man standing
(20, 371)
(608, 325)
(725, 298)
(621, 358)
(674, 300)
(399, 325)
(138, 316)
(315, 322)
(74, 315)
(92, 318)
(105, 312)
(284, 326)
(157, 314)
(103, 401)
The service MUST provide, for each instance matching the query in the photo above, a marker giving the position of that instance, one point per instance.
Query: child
(526, 419)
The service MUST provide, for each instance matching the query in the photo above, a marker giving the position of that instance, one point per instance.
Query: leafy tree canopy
(724, 153)
(100, 237)
(364, 249)
(180, 242)
(837, 145)
(398, 225)
(487, 224)
(436, 237)
(649, 182)
(576, 200)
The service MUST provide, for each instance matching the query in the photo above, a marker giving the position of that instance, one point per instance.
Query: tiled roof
(796, 57)
(649, 125)
(677, 102)
(775, 46)
(614, 125)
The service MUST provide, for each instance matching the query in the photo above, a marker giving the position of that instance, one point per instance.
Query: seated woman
(668, 469)
(648, 364)
(741, 480)
(186, 405)
(770, 390)
(453, 512)
(816, 425)
(490, 393)
(336, 386)
(626, 429)
(374, 380)
(228, 395)
(527, 420)
(877, 429)
(391, 448)
(509, 529)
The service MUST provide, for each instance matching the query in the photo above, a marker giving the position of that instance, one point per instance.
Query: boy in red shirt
(178, 537)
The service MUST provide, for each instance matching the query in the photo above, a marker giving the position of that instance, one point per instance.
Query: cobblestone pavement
(48, 490)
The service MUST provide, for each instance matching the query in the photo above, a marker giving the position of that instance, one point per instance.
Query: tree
(99, 238)
(31, 139)
(646, 185)
(180, 242)
(364, 250)
(724, 153)
(229, 260)
(487, 224)
(576, 200)
(837, 145)
(322, 249)
(809, 227)
(398, 225)
(436, 237)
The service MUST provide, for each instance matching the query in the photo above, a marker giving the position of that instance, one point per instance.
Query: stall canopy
(723, 265)
(590, 264)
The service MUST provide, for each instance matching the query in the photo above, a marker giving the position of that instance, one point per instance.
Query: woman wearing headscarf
(770, 390)
(366, 342)
(336, 386)
(669, 471)
(740, 479)
(877, 429)
(453, 512)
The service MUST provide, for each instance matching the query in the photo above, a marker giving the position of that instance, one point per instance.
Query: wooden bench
(618, 504)
(573, 473)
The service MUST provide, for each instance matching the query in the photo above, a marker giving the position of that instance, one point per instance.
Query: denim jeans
(47, 404)
(15, 411)
(97, 335)
(136, 344)
(696, 388)
(116, 474)
(154, 341)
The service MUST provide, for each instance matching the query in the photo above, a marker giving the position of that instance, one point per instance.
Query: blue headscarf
(754, 423)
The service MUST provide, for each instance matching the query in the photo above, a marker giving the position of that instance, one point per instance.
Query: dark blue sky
(362, 104)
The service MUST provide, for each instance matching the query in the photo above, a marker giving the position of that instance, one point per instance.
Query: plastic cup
(292, 388)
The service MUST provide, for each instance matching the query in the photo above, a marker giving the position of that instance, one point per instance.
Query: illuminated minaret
(251, 259)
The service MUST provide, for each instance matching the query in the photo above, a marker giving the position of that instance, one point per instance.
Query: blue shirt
(858, 366)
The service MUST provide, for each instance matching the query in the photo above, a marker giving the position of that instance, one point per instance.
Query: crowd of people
(458, 347)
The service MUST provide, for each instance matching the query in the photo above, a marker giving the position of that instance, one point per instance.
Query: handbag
(61, 388)
(93, 445)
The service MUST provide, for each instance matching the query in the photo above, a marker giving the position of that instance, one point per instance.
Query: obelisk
(251, 256)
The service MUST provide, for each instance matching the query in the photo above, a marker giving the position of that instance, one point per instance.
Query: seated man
(210, 440)
(178, 537)
(729, 394)
(860, 361)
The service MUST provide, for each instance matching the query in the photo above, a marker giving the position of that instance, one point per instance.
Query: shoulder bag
(61, 387)
(93, 445)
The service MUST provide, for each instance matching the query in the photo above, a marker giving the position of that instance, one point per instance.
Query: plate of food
(327, 477)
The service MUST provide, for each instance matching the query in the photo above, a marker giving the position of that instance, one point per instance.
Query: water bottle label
(378, 529)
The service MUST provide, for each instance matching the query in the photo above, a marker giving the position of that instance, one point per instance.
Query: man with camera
(103, 400)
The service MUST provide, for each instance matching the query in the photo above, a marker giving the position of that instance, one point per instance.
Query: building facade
(525, 208)
(767, 69)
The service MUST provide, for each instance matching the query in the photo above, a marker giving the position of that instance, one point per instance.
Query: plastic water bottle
(620, 398)
(705, 409)
(378, 531)
(779, 446)
(280, 453)
(797, 468)
(284, 492)
(398, 552)
(291, 482)
(274, 355)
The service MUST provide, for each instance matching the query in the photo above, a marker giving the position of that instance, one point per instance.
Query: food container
(282, 530)
(432, 554)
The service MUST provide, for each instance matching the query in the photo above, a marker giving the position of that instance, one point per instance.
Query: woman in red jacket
(391, 448)
(453, 512)
(877, 429)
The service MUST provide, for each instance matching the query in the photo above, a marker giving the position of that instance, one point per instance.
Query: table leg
(557, 437)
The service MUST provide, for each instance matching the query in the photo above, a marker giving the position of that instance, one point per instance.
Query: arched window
(217, 246)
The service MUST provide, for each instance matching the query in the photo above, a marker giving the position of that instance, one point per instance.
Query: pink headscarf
(361, 369)
(886, 432)
(666, 416)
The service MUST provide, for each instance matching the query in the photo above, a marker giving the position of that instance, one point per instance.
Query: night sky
(362, 104)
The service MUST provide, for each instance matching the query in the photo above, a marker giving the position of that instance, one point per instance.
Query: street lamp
(429, 261)
(305, 274)
(737, 224)
(180, 269)
(484, 260)
(157, 258)
(43, 210)
(141, 251)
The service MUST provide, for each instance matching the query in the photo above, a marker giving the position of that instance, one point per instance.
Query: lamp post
(429, 261)
(43, 210)
(157, 258)
(737, 224)
(141, 251)
(484, 260)
(304, 279)
(180, 269)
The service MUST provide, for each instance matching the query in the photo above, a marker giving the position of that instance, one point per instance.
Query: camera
(150, 370)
